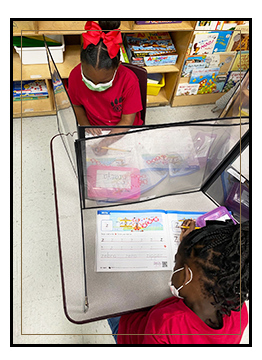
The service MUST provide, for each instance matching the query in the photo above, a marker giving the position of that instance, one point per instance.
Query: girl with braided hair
(102, 91)
(210, 282)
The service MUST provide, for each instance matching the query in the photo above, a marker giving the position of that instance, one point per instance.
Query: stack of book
(214, 62)
(151, 49)
(31, 90)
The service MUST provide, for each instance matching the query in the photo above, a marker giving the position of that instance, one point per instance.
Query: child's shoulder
(76, 71)
(127, 73)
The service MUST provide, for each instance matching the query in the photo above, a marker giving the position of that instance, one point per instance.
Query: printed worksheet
(138, 240)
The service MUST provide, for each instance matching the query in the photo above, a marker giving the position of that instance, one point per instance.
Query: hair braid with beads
(222, 254)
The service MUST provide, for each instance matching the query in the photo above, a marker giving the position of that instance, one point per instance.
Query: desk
(108, 293)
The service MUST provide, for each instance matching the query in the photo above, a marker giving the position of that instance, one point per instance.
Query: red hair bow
(112, 39)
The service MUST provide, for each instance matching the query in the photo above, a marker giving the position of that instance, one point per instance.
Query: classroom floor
(38, 308)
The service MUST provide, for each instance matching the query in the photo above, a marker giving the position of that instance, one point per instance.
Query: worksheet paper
(138, 240)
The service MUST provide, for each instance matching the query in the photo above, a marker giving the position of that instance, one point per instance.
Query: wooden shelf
(160, 99)
(181, 34)
(64, 27)
(41, 71)
(200, 99)
(35, 107)
(28, 27)
(161, 69)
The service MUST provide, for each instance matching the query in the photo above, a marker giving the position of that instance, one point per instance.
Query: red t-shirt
(172, 316)
(106, 107)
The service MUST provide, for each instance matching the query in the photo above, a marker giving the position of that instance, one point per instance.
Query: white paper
(132, 241)
(138, 240)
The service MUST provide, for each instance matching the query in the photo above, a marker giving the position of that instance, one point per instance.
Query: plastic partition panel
(238, 104)
(107, 293)
(66, 119)
(69, 230)
(226, 190)
(156, 161)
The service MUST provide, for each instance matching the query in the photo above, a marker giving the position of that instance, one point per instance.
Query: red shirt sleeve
(131, 102)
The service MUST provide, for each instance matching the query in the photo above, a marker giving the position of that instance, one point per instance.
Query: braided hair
(97, 55)
(221, 252)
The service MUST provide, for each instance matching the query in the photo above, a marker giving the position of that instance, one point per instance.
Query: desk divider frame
(71, 146)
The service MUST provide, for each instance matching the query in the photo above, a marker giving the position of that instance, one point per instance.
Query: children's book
(30, 89)
(232, 78)
(204, 43)
(156, 22)
(239, 39)
(206, 25)
(206, 78)
(229, 25)
(193, 62)
(160, 60)
(145, 240)
(187, 89)
(220, 83)
(222, 41)
(154, 78)
(151, 48)
(123, 54)
(148, 41)
(241, 61)
(222, 60)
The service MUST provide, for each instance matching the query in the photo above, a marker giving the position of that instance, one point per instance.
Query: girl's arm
(83, 120)
(126, 120)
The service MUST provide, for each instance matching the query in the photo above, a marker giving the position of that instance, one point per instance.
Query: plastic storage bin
(153, 89)
(37, 55)
(233, 200)
(220, 213)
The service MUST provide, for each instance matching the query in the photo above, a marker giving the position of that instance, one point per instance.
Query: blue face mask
(97, 87)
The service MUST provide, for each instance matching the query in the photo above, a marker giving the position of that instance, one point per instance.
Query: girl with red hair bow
(102, 91)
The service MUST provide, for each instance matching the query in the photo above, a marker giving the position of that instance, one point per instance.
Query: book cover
(156, 22)
(187, 89)
(154, 78)
(239, 39)
(222, 41)
(123, 54)
(160, 60)
(222, 60)
(206, 78)
(220, 82)
(241, 61)
(206, 25)
(232, 79)
(193, 62)
(30, 88)
(144, 42)
(204, 43)
(229, 25)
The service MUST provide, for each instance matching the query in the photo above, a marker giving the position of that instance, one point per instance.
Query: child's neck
(206, 312)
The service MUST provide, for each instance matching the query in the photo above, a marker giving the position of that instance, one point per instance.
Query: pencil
(110, 148)
(187, 227)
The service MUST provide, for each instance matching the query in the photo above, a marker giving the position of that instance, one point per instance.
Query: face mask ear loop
(191, 276)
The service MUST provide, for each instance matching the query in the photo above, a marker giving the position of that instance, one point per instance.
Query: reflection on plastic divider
(111, 182)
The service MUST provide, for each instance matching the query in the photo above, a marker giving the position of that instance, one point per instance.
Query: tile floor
(38, 307)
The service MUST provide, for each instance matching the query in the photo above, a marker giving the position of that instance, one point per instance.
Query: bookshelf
(181, 34)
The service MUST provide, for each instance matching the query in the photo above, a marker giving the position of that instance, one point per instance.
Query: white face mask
(97, 87)
(173, 289)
